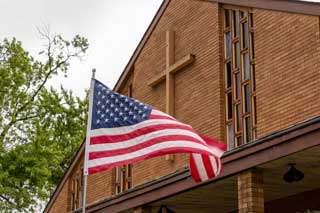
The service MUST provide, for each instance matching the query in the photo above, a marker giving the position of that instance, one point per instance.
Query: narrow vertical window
(236, 51)
(235, 23)
(238, 118)
(247, 98)
(227, 18)
(228, 45)
(229, 104)
(243, 14)
(230, 136)
(248, 128)
(118, 180)
(238, 85)
(239, 74)
(244, 28)
(228, 77)
(246, 68)
(239, 140)
(229, 74)
(76, 190)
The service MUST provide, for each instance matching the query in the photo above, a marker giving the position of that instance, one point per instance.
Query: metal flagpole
(85, 168)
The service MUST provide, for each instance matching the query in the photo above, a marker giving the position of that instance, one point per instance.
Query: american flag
(124, 130)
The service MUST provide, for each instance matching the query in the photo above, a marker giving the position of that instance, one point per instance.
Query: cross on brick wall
(172, 67)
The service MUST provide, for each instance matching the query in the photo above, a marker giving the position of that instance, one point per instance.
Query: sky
(113, 28)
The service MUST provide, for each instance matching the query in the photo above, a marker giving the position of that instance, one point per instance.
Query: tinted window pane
(248, 130)
(246, 74)
(251, 19)
(230, 136)
(238, 85)
(243, 14)
(247, 98)
(229, 75)
(129, 170)
(227, 18)
(239, 141)
(252, 45)
(244, 35)
(228, 45)
(236, 55)
(238, 118)
(235, 23)
(254, 77)
(229, 105)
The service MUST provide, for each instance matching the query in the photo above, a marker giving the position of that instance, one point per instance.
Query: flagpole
(85, 168)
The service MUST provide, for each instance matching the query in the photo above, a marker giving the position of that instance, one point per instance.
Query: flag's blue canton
(111, 109)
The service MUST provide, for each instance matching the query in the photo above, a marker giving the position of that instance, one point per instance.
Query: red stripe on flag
(214, 143)
(194, 170)
(207, 165)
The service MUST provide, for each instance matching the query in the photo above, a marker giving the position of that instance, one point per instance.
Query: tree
(40, 128)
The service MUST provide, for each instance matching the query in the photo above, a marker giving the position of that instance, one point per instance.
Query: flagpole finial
(93, 73)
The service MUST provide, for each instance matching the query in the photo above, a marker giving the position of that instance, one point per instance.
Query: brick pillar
(250, 191)
(142, 209)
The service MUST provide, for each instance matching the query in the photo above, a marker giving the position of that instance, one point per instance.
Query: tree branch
(26, 118)
(8, 200)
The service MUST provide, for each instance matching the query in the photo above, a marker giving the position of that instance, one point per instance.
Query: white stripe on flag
(157, 112)
(200, 166)
(145, 151)
(214, 165)
(128, 129)
(216, 150)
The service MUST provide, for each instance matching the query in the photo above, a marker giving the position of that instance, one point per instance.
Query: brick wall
(287, 50)
(250, 192)
(287, 69)
(61, 203)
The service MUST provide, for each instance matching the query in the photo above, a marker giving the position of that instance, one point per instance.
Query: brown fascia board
(292, 6)
(74, 162)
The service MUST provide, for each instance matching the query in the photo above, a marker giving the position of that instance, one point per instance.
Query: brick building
(243, 72)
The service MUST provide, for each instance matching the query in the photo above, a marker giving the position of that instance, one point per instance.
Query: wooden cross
(172, 67)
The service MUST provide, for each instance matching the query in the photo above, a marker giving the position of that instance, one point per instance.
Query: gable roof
(292, 6)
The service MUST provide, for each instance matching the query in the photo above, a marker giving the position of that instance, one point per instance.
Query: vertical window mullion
(253, 78)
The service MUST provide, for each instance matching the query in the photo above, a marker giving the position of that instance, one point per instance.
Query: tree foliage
(40, 128)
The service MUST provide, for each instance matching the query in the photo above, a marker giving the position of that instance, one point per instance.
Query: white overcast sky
(113, 27)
